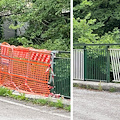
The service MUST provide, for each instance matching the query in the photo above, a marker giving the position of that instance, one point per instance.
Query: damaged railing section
(35, 71)
(25, 69)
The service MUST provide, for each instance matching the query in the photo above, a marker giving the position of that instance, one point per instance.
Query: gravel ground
(95, 105)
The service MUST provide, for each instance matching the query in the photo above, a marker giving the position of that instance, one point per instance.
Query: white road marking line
(18, 104)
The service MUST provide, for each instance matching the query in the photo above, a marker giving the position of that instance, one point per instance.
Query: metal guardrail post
(85, 63)
(108, 64)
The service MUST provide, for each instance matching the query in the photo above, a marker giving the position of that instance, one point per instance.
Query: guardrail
(78, 64)
(115, 61)
(97, 62)
(61, 69)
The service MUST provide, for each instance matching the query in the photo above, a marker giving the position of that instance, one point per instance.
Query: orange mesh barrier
(24, 69)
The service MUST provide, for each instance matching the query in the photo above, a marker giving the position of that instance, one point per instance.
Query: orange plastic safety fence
(24, 69)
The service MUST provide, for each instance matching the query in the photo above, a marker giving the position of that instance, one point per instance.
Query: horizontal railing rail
(95, 44)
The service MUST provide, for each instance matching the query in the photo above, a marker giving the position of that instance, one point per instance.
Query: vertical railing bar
(101, 59)
(115, 65)
(108, 65)
(119, 65)
(76, 64)
(103, 54)
(79, 65)
(94, 69)
(85, 62)
(112, 59)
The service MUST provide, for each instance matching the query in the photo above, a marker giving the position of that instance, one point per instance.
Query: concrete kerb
(112, 87)
(64, 101)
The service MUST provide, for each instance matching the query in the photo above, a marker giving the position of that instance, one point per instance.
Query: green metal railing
(61, 70)
(96, 61)
(96, 65)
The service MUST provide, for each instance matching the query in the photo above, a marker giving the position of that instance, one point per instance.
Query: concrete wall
(8, 33)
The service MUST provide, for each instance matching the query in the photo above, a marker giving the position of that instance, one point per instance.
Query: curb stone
(64, 101)
(114, 87)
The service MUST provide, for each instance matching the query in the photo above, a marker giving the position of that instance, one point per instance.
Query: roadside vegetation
(96, 21)
(99, 88)
(5, 92)
(48, 23)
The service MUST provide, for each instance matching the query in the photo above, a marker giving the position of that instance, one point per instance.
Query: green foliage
(41, 101)
(57, 44)
(100, 87)
(104, 11)
(48, 26)
(11, 41)
(21, 96)
(96, 21)
(112, 89)
(1, 29)
(59, 103)
(5, 91)
(24, 41)
(68, 108)
(51, 104)
(83, 32)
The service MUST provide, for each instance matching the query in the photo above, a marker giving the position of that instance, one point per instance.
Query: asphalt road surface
(18, 110)
(95, 105)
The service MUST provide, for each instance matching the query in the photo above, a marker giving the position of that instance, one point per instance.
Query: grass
(59, 104)
(100, 86)
(112, 89)
(68, 108)
(75, 85)
(39, 101)
(6, 92)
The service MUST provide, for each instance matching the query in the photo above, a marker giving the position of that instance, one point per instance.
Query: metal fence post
(108, 65)
(85, 63)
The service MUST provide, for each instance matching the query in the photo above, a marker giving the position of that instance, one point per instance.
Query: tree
(92, 23)
(106, 12)
(46, 19)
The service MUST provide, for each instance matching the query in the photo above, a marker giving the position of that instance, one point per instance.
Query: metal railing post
(108, 65)
(85, 63)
